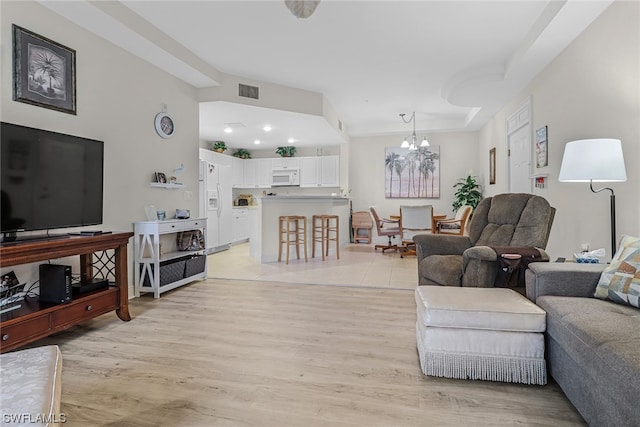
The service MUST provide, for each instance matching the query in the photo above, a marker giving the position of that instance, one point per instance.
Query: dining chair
(414, 220)
(386, 227)
(455, 225)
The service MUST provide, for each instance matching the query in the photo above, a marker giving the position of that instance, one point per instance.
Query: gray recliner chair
(513, 219)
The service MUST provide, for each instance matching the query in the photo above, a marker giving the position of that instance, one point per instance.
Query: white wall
(458, 156)
(118, 96)
(591, 90)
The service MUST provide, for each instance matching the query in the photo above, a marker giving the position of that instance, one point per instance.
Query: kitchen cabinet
(257, 173)
(285, 163)
(323, 171)
(237, 172)
(240, 224)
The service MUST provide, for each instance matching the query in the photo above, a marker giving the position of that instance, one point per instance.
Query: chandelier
(302, 8)
(413, 145)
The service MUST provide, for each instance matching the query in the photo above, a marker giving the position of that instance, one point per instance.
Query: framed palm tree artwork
(412, 173)
(44, 72)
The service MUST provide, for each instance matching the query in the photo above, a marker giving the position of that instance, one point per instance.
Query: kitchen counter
(263, 241)
(302, 196)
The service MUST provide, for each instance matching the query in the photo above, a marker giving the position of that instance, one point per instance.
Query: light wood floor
(249, 353)
(359, 265)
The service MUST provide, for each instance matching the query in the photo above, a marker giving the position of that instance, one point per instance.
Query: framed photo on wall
(412, 173)
(44, 72)
(160, 177)
(542, 158)
(492, 166)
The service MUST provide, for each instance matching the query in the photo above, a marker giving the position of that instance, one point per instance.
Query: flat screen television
(48, 180)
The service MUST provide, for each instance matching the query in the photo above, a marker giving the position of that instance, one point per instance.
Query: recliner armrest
(485, 253)
(562, 279)
(482, 253)
(439, 244)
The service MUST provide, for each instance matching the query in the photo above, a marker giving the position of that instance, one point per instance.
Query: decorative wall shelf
(166, 186)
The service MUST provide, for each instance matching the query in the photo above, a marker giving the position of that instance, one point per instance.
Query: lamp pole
(612, 198)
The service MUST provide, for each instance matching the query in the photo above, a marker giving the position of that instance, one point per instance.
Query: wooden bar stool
(325, 231)
(292, 230)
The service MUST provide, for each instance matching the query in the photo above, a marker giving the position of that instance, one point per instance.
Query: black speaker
(55, 283)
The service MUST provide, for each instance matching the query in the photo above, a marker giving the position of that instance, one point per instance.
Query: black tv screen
(49, 180)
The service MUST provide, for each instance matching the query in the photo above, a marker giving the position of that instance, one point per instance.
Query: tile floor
(359, 265)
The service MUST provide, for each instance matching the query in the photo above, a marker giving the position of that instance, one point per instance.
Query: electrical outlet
(188, 195)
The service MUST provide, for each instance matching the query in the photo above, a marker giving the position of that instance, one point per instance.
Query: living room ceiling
(455, 63)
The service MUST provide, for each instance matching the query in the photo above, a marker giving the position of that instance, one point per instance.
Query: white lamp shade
(597, 160)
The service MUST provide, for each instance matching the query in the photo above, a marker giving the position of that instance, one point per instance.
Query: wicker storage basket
(195, 265)
(170, 271)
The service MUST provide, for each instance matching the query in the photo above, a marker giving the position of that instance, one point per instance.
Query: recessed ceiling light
(228, 130)
(291, 140)
(257, 141)
(267, 128)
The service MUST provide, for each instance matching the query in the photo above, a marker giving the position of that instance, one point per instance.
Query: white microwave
(284, 177)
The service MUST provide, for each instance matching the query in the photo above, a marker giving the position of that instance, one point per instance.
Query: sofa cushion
(620, 281)
(603, 339)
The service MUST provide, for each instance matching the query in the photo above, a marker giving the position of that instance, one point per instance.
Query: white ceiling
(455, 63)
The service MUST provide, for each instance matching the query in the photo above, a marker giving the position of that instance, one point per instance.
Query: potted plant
(468, 192)
(219, 146)
(288, 151)
(242, 153)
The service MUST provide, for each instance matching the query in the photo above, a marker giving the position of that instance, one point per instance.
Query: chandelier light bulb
(424, 143)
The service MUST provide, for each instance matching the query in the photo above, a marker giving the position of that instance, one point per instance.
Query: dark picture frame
(44, 72)
(492, 166)
(160, 177)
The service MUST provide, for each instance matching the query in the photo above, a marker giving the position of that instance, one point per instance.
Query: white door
(519, 149)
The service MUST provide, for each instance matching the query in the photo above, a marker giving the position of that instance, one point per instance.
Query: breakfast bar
(263, 242)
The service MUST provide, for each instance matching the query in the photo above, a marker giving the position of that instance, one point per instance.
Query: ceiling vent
(247, 91)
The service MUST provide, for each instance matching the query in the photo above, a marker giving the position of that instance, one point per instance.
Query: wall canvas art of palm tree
(412, 173)
(44, 72)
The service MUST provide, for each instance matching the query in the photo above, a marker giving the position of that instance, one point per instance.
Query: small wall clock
(165, 125)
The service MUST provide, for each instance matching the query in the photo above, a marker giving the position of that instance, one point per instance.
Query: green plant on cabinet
(242, 153)
(219, 146)
(286, 151)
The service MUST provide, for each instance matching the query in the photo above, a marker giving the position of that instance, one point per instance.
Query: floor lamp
(595, 160)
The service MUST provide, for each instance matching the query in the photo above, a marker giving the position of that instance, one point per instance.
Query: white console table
(157, 270)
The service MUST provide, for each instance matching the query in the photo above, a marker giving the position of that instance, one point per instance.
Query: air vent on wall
(248, 91)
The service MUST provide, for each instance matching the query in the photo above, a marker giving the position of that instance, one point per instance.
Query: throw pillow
(620, 281)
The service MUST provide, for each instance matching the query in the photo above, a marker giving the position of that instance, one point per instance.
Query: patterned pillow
(620, 281)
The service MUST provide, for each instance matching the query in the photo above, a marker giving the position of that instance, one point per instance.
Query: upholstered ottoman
(31, 384)
(492, 334)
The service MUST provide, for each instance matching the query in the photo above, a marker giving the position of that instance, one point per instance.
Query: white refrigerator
(216, 204)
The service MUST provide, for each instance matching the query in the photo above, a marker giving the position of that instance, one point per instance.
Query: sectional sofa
(592, 345)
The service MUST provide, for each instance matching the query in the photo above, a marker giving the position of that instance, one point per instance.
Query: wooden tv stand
(34, 320)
